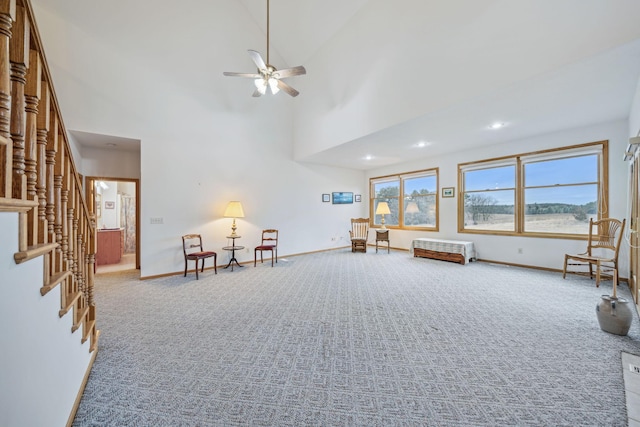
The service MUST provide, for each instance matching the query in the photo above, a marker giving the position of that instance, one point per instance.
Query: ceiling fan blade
(250, 75)
(257, 59)
(285, 87)
(290, 72)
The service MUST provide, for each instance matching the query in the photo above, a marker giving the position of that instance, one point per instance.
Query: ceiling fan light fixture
(261, 85)
(273, 84)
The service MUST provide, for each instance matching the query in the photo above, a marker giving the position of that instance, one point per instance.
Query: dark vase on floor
(614, 314)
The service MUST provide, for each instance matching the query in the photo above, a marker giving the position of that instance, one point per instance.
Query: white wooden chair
(359, 233)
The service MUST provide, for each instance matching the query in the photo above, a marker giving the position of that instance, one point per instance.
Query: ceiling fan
(269, 76)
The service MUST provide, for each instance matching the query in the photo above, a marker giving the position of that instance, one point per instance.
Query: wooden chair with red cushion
(269, 243)
(192, 247)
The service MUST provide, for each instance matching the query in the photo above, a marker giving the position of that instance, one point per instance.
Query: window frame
(600, 148)
(400, 178)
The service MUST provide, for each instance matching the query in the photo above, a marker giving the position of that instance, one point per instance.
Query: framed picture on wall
(326, 198)
(342, 198)
(448, 191)
(109, 205)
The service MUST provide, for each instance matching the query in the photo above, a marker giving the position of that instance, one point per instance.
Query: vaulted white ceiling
(384, 76)
(300, 28)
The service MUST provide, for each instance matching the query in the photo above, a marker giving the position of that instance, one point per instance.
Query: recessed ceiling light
(496, 125)
(111, 144)
(368, 157)
(421, 144)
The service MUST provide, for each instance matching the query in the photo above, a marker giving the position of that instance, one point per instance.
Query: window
(418, 208)
(419, 205)
(386, 190)
(489, 198)
(553, 192)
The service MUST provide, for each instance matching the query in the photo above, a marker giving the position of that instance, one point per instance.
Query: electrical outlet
(634, 368)
(157, 221)
(333, 239)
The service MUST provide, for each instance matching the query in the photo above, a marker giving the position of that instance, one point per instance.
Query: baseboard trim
(534, 267)
(175, 273)
(556, 270)
(76, 404)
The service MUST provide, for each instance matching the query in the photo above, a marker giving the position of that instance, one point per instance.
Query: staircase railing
(38, 176)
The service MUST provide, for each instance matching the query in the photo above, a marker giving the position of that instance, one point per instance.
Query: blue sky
(579, 173)
(572, 170)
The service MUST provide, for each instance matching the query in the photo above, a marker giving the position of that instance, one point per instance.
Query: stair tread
(54, 281)
(94, 344)
(34, 252)
(71, 301)
(79, 319)
(88, 328)
(16, 205)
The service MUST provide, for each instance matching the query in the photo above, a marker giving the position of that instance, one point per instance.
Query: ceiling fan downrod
(268, 75)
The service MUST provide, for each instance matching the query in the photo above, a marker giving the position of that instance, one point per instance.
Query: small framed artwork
(342, 198)
(326, 198)
(448, 191)
(358, 198)
(109, 205)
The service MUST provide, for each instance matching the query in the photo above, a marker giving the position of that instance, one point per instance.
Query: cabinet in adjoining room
(110, 246)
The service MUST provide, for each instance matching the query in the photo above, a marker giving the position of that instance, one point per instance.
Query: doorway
(115, 203)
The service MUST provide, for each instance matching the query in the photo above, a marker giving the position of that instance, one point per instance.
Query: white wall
(275, 191)
(109, 163)
(540, 252)
(75, 152)
(202, 145)
(42, 364)
(634, 114)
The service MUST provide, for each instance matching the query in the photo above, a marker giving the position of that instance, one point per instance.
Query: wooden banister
(38, 176)
(7, 17)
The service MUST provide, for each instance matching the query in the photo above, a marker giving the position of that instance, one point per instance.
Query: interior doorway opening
(115, 204)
